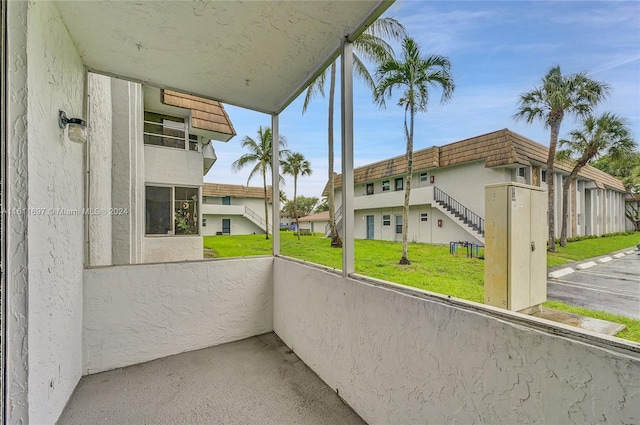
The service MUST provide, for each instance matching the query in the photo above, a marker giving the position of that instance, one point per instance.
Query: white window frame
(386, 219)
(185, 127)
(395, 183)
(386, 188)
(173, 210)
(366, 188)
(424, 177)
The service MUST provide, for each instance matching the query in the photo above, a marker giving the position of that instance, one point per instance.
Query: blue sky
(498, 50)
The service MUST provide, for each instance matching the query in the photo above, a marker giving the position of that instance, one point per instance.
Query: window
(168, 131)
(423, 177)
(163, 219)
(385, 185)
(424, 217)
(521, 172)
(226, 200)
(399, 183)
(544, 175)
(369, 188)
(386, 220)
(158, 210)
(398, 224)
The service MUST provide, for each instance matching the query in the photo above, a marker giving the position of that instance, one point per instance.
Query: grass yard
(589, 248)
(432, 267)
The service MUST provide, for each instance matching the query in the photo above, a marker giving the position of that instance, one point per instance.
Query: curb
(588, 264)
(559, 273)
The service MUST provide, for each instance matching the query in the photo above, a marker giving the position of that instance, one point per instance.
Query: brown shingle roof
(206, 114)
(237, 191)
(499, 148)
(322, 216)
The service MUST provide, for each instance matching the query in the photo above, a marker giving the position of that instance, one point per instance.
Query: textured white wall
(127, 173)
(138, 313)
(172, 248)
(172, 166)
(402, 358)
(100, 160)
(17, 195)
(56, 79)
(419, 231)
(240, 225)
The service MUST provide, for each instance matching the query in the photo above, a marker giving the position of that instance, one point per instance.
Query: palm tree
(415, 75)
(608, 135)
(296, 165)
(371, 46)
(260, 154)
(573, 94)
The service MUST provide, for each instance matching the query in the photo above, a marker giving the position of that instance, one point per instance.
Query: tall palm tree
(260, 152)
(415, 75)
(573, 94)
(296, 165)
(370, 46)
(607, 134)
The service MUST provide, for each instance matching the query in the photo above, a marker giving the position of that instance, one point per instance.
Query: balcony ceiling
(257, 55)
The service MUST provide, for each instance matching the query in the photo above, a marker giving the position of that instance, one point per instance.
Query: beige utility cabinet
(515, 253)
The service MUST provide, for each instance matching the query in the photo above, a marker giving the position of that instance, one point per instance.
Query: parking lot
(613, 287)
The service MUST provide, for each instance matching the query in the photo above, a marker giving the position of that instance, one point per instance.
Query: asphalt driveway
(613, 287)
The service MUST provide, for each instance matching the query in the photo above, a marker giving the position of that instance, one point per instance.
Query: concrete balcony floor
(255, 380)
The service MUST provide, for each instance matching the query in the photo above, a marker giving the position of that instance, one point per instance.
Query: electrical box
(515, 270)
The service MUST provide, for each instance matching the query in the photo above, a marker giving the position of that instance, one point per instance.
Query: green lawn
(589, 248)
(432, 267)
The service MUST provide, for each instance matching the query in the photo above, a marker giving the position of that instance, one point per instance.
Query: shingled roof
(208, 115)
(234, 190)
(500, 148)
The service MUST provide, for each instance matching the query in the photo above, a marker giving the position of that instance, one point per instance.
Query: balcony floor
(255, 380)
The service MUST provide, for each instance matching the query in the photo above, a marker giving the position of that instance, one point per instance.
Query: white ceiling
(211, 48)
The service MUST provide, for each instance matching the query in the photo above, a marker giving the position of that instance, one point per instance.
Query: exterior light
(77, 127)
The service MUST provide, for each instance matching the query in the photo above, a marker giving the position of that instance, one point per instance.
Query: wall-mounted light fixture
(77, 127)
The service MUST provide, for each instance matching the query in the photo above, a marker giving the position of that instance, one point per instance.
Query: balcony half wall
(398, 355)
(418, 196)
(136, 313)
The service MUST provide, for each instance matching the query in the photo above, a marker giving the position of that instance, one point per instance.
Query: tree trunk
(565, 194)
(336, 242)
(266, 205)
(407, 191)
(295, 203)
(565, 211)
(553, 142)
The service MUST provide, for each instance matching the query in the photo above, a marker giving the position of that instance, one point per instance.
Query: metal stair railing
(469, 217)
(338, 216)
(253, 216)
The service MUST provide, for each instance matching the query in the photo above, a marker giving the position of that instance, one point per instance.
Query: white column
(346, 74)
(275, 184)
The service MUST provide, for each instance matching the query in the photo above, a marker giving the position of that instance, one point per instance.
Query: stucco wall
(137, 313)
(172, 166)
(159, 249)
(100, 159)
(56, 79)
(127, 172)
(400, 358)
(419, 231)
(240, 225)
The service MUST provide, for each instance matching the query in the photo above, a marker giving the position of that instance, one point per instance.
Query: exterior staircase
(338, 217)
(471, 222)
(254, 217)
